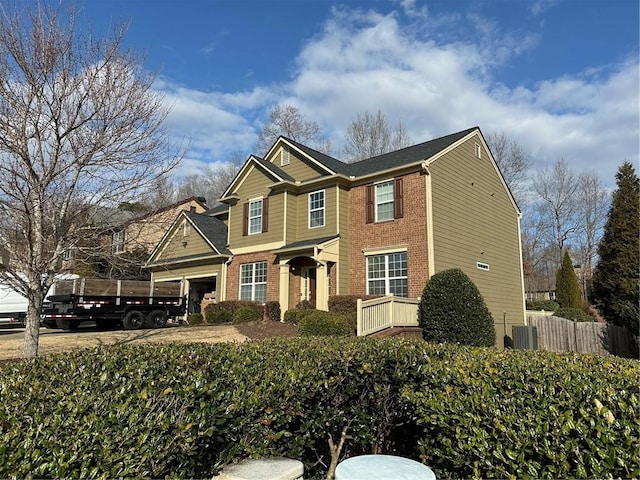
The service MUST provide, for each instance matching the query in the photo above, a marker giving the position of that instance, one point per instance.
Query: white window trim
(249, 217)
(375, 199)
(253, 282)
(387, 278)
(186, 229)
(324, 210)
(478, 151)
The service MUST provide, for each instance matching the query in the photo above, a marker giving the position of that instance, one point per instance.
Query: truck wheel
(133, 320)
(67, 323)
(157, 319)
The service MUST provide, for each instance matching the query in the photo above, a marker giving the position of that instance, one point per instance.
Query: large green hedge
(184, 410)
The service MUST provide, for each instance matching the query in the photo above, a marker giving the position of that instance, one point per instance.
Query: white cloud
(435, 79)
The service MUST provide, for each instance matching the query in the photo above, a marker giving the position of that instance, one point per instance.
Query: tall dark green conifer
(567, 287)
(616, 280)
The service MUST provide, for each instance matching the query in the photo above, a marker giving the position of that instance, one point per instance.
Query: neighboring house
(300, 225)
(129, 231)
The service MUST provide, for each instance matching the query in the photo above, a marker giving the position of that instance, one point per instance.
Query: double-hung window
(316, 209)
(117, 242)
(387, 274)
(255, 216)
(384, 201)
(253, 281)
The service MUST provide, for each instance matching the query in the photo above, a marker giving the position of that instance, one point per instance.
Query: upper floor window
(384, 201)
(253, 281)
(316, 209)
(387, 274)
(117, 242)
(255, 216)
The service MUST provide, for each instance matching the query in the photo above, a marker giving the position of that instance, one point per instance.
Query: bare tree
(558, 206)
(513, 163)
(370, 135)
(210, 182)
(286, 120)
(81, 129)
(593, 205)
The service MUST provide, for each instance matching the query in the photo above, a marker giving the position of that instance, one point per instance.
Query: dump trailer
(111, 303)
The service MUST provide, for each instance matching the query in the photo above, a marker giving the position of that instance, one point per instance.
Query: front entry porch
(306, 270)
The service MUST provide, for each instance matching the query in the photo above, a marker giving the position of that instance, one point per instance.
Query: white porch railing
(385, 312)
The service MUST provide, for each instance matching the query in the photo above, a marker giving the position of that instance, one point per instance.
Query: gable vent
(284, 157)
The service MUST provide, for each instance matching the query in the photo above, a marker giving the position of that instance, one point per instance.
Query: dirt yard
(53, 341)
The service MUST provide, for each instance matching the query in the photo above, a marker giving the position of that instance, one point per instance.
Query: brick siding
(411, 230)
(273, 274)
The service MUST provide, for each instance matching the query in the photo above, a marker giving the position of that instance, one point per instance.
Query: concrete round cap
(382, 467)
(263, 469)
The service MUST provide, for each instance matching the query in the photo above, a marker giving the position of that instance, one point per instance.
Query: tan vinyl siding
(297, 169)
(190, 272)
(475, 221)
(291, 217)
(342, 275)
(255, 185)
(302, 217)
(175, 246)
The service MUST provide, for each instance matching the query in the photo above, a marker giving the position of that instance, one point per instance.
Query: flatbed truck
(111, 303)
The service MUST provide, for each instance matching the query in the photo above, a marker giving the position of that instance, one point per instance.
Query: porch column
(322, 286)
(284, 288)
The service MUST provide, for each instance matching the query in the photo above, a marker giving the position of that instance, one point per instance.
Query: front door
(308, 287)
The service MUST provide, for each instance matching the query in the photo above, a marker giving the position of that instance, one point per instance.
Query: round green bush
(218, 317)
(573, 314)
(321, 323)
(452, 310)
(195, 319)
(245, 315)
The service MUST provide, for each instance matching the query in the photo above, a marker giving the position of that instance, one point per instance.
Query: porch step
(406, 332)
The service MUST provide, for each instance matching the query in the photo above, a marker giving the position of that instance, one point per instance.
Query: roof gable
(271, 171)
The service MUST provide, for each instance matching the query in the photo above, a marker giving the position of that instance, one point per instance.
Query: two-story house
(300, 225)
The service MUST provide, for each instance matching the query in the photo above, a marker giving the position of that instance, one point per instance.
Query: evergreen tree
(567, 287)
(616, 280)
(452, 310)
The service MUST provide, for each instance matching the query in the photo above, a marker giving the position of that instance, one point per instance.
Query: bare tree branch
(81, 129)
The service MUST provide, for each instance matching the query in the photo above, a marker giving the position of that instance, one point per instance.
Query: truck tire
(157, 319)
(133, 319)
(67, 323)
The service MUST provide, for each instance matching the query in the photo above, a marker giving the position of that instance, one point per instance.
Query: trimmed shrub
(272, 311)
(218, 316)
(573, 314)
(305, 305)
(233, 305)
(195, 319)
(182, 410)
(452, 310)
(567, 287)
(321, 323)
(295, 315)
(347, 303)
(546, 305)
(246, 314)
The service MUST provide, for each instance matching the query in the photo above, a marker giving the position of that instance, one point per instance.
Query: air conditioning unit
(525, 337)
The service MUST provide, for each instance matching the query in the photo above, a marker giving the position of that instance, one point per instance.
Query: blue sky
(559, 77)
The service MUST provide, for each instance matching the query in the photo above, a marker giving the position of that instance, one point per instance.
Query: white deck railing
(385, 312)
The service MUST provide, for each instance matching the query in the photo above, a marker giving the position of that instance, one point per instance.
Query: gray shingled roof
(217, 210)
(212, 228)
(273, 169)
(405, 156)
(306, 243)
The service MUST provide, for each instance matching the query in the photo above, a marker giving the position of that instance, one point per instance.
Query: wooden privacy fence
(385, 312)
(561, 335)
